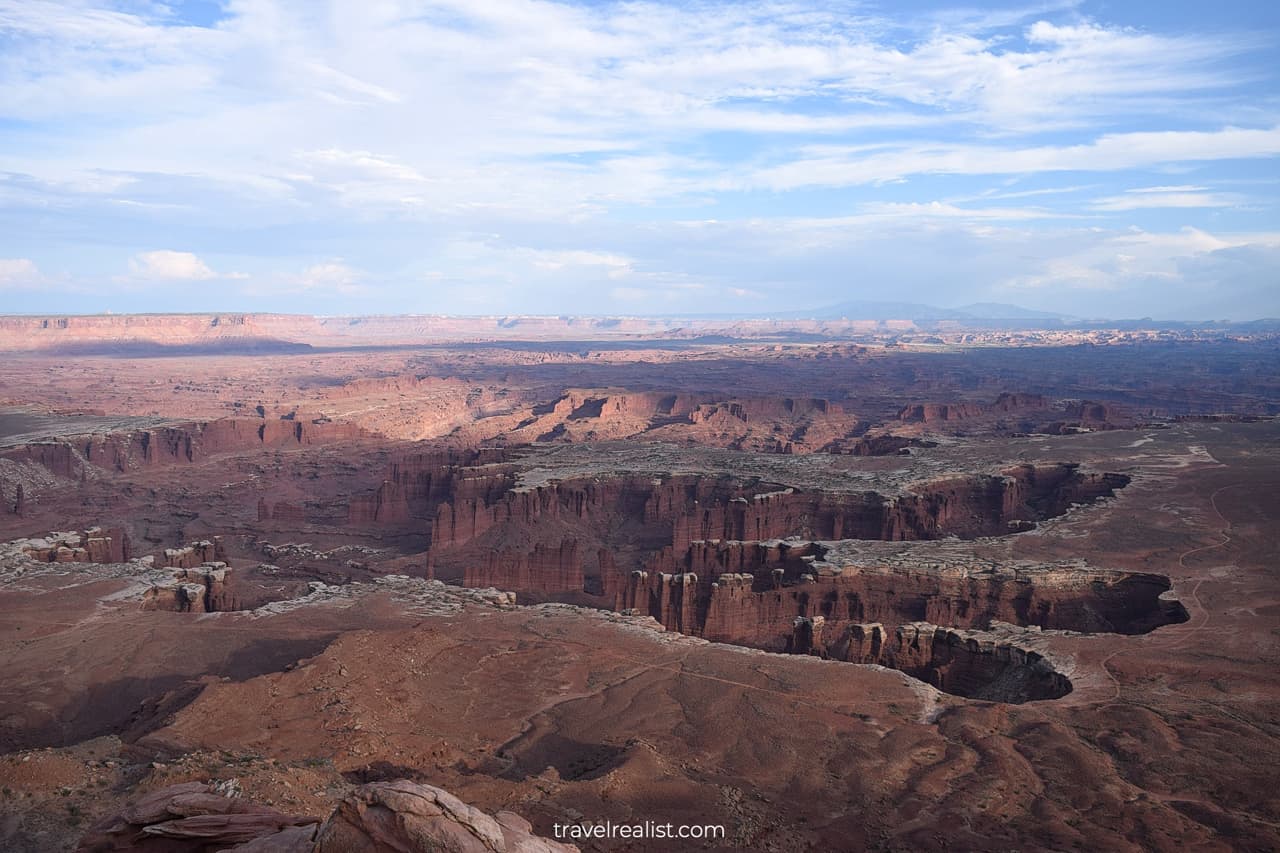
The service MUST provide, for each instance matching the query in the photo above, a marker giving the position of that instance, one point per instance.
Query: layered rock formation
(195, 817)
(764, 423)
(416, 485)
(545, 571)
(759, 609)
(207, 588)
(94, 545)
(975, 664)
(978, 665)
(646, 522)
(703, 508)
(409, 817)
(197, 553)
(185, 444)
(733, 560)
(1021, 412)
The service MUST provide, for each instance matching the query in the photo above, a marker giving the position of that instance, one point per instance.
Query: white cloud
(1116, 261)
(1092, 271)
(1182, 188)
(361, 164)
(618, 266)
(510, 92)
(671, 295)
(333, 276)
(168, 265)
(945, 210)
(835, 166)
(392, 133)
(349, 90)
(1164, 197)
(18, 272)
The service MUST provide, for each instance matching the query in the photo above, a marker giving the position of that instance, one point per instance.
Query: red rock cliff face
(545, 571)
(94, 545)
(416, 485)
(474, 507)
(177, 445)
(671, 599)
(975, 666)
(967, 507)
(760, 609)
(206, 588)
(711, 558)
(709, 526)
(195, 554)
(763, 423)
(1023, 413)
(1093, 415)
(42, 333)
(1007, 403)
(691, 508)
(929, 413)
(55, 456)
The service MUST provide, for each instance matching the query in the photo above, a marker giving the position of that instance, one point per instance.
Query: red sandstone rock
(409, 817)
(186, 817)
(94, 545)
(195, 554)
(704, 509)
(933, 412)
(177, 445)
(415, 487)
(755, 610)
(1096, 771)
(547, 570)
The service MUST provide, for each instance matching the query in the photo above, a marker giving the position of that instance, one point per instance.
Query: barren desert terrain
(871, 587)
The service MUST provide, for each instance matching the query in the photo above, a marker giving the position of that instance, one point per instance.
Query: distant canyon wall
(51, 332)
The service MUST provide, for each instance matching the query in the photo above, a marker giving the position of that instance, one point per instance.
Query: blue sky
(497, 156)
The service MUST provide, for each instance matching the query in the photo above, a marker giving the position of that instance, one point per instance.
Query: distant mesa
(877, 310)
(141, 335)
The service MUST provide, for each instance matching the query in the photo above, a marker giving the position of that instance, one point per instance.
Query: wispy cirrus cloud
(1143, 198)
(835, 166)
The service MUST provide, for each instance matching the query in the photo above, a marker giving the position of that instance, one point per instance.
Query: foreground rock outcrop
(197, 817)
(397, 816)
(407, 816)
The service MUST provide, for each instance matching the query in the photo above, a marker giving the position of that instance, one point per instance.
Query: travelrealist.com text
(647, 829)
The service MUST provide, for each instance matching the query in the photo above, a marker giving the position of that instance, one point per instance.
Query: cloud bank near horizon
(500, 156)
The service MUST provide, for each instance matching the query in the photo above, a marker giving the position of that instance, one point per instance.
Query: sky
(1100, 159)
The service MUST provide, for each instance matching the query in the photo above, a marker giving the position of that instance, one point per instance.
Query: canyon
(860, 590)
